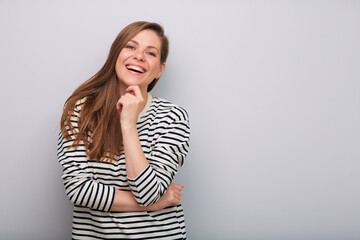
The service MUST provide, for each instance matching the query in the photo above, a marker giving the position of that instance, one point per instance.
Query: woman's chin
(142, 86)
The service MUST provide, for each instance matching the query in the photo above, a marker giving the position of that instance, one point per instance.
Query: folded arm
(149, 177)
(125, 201)
(78, 180)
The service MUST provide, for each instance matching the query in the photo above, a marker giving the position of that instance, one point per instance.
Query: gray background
(272, 89)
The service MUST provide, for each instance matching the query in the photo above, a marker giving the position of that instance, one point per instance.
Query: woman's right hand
(171, 197)
(129, 106)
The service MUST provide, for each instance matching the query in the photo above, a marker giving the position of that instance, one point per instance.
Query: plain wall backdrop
(273, 93)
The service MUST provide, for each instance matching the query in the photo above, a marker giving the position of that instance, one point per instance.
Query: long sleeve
(79, 184)
(168, 153)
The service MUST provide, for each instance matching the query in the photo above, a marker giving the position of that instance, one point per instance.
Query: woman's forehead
(148, 38)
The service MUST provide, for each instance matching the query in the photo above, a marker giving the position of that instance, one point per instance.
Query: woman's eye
(152, 54)
(130, 47)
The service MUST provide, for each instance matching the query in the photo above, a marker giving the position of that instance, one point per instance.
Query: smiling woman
(120, 147)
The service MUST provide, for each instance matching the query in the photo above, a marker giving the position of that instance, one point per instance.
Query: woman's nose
(139, 55)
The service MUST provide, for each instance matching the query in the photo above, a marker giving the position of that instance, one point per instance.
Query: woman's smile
(135, 68)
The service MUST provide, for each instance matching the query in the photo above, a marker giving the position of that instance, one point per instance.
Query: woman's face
(139, 61)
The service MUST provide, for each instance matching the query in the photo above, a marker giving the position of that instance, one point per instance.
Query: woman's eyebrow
(146, 47)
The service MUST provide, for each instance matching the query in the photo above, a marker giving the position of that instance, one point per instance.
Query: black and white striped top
(164, 136)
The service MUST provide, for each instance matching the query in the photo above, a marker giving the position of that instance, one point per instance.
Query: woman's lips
(135, 68)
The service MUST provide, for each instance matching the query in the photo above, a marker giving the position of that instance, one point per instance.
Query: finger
(177, 195)
(178, 199)
(179, 186)
(171, 185)
(127, 99)
(123, 100)
(119, 105)
(128, 96)
(135, 90)
(130, 92)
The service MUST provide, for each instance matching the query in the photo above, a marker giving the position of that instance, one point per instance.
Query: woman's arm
(79, 184)
(129, 107)
(149, 178)
(125, 201)
(78, 180)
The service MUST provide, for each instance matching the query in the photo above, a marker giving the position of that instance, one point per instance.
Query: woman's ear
(162, 67)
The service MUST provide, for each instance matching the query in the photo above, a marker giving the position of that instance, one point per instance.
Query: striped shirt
(164, 131)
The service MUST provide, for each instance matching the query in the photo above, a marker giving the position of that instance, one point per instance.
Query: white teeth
(135, 68)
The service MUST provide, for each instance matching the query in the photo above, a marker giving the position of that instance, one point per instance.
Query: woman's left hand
(171, 197)
(129, 106)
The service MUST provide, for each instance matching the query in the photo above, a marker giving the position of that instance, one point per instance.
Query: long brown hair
(99, 116)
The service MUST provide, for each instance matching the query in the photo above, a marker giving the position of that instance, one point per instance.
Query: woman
(120, 147)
